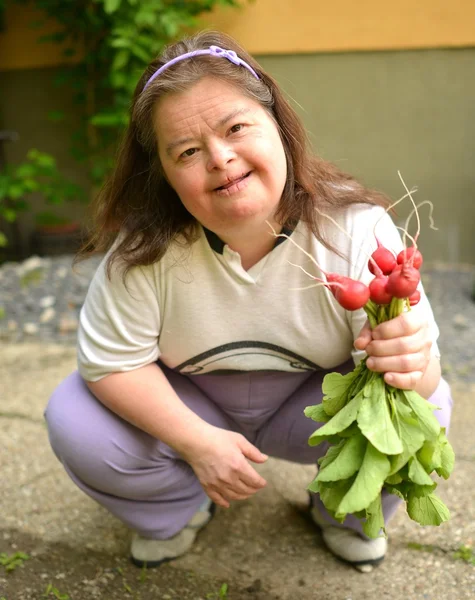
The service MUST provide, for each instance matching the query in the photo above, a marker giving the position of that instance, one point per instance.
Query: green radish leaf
(393, 479)
(424, 412)
(417, 473)
(343, 419)
(332, 493)
(317, 413)
(314, 487)
(410, 434)
(447, 457)
(391, 489)
(375, 423)
(419, 491)
(331, 455)
(335, 387)
(347, 462)
(368, 483)
(428, 510)
(350, 431)
(374, 519)
(430, 456)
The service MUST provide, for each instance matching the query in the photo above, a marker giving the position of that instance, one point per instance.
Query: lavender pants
(146, 484)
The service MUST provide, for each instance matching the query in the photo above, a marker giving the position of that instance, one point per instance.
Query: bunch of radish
(396, 278)
(380, 437)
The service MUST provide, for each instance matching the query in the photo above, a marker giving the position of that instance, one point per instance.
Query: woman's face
(222, 154)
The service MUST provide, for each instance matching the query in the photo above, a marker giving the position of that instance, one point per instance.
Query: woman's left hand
(399, 348)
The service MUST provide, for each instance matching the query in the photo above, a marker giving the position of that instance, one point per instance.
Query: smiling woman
(198, 350)
(221, 152)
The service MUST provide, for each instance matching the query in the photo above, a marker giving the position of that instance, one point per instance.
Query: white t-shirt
(199, 311)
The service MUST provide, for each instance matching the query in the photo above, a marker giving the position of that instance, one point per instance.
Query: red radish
(377, 290)
(403, 281)
(349, 293)
(384, 258)
(411, 255)
(414, 298)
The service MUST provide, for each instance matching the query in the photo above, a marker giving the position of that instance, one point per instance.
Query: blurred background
(382, 87)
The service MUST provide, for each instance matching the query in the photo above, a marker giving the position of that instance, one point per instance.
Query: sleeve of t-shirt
(364, 243)
(119, 323)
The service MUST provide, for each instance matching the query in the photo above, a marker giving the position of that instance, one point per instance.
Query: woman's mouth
(235, 185)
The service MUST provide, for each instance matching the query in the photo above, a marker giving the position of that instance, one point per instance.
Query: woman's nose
(220, 154)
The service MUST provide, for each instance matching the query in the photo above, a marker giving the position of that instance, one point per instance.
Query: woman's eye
(188, 152)
(236, 128)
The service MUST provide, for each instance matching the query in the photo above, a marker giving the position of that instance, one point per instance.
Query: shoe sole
(144, 564)
(375, 562)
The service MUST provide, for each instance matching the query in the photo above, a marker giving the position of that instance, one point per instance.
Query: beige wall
(372, 112)
(375, 113)
(288, 26)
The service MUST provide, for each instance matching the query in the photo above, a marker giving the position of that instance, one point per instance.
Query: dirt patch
(58, 572)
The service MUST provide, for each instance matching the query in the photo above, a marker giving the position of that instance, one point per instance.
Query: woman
(197, 353)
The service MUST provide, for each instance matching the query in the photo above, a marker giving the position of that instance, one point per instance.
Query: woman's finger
(364, 337)
(403, 381)
(406, 324)
(216, 497)
(251, 478)
(406, 363)
(411, 344)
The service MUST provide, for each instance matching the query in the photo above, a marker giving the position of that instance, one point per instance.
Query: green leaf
(410, 434)
(347, 462)
(417, 473)
(427, 510)
(393, 479)
(447, 457)
(15, 190)
(333, 492)
(419, 491)
(374, 420)
(140, 53)
(430, 456)
(343, 419)
(9, 215)
(110, 6)
(335, 388)
(3, 240)
(392, 489)
(56, 115)
(368, 483)
(374, 522)
(120, 60)
(424, 411)
(331, 454)
(108, 119)
(350, 431)
(317, 413)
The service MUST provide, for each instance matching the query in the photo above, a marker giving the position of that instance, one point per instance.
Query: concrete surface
(262, 549)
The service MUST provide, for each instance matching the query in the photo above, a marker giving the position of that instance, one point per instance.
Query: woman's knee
(80, 428)
(64, 421)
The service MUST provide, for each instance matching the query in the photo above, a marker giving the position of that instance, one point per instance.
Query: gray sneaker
(145, 552)
(348, 545)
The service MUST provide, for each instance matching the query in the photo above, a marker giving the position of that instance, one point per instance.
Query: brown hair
(138, 202)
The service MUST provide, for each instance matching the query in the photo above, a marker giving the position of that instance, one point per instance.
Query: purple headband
(214, 51)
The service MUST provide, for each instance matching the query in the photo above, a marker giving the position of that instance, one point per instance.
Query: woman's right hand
(221, 464)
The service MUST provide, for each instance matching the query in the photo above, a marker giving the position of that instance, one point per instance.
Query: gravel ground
(264, 548)
(40, 300)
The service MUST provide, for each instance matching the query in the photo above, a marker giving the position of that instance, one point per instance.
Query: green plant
(465, 553)
(12, 561)
(112, 40)
(39, 174)
(53, 592)
(221, 595)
